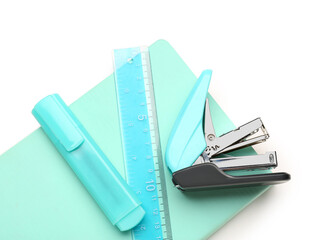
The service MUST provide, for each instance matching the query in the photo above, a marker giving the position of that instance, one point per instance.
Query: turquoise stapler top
(111, 192)
(186, 140)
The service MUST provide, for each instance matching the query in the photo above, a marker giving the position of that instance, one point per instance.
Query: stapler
(198, 158)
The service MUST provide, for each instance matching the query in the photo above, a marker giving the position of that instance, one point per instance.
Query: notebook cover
(41, 198)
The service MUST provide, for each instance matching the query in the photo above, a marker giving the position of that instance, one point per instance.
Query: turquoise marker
(111, 192)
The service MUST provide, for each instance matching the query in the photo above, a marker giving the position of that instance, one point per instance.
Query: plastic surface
(209, 176)
(140, 139)
(41, 198)
(93, 168)
(187, 140)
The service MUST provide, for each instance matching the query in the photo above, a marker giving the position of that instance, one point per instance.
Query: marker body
(90, 164)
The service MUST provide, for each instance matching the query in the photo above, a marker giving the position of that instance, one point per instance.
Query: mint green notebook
(41, 198)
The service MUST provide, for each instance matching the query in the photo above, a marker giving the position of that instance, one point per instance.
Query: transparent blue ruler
(141, 142)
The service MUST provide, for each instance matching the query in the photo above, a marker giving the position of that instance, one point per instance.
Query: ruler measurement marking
(153, 189)
(160, 165)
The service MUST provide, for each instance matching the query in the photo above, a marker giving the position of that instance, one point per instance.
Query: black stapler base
(209, 176)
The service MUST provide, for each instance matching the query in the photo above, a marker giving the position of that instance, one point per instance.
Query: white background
(268, 59)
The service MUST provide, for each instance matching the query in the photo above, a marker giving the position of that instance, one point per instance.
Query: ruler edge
(169, 234)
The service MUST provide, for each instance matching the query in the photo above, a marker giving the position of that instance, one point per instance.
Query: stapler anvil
(197, 157)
